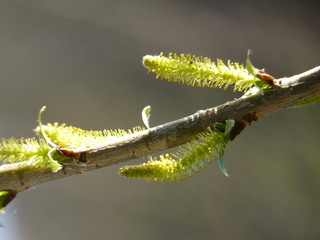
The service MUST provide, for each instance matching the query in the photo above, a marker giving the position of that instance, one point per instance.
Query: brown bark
(285, 92)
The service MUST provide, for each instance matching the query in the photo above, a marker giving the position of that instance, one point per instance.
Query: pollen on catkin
(200, 71)
(23, 153)
(73, 137)
(190, 158)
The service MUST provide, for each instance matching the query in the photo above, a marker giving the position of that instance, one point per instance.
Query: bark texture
(286, 92)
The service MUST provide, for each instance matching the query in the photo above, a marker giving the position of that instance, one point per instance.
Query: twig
(285, 93)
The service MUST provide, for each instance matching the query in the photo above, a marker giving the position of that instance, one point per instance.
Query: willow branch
(286, 92)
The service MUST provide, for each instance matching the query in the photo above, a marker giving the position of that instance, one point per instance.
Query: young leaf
(249, 66)
(221, 165)
(6, 196)
(43, 134)
(146, 115)
(308, 101)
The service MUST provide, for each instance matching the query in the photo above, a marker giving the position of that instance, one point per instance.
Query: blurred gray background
(82, 59)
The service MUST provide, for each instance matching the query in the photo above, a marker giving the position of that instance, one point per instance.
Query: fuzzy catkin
(200, 71)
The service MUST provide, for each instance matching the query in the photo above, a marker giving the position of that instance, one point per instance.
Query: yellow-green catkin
(187, 161)
(73, 137)
(24, 154)
(200, 71)
(29, 152)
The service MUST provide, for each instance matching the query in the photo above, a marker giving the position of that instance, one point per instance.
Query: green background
(82, 59)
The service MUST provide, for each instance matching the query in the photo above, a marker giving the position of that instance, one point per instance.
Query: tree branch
(286, 92)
